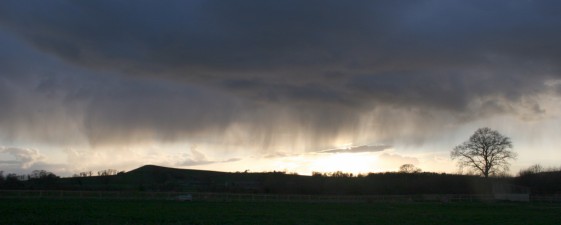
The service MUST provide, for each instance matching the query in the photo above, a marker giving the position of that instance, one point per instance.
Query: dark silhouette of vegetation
(12, 181)
(332, 174)
(83, 174)
(154, 178)
(486, 152)
(410, 181)
(107, 172)
(534, 169)
(409, 168)
(41, 175)
(42, 179)
(540, 180)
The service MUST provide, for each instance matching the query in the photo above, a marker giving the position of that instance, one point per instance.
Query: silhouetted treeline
(107, 172)
(337, 183)
(154, 178)
(38, 179)
(540, 180)
(379, 184)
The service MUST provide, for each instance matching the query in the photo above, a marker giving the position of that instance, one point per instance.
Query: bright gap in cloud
(347, 162)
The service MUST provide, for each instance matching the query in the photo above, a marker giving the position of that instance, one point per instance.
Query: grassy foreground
(83, 211)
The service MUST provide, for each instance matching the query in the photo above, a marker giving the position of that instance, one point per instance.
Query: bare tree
(534, 169)
(486, 152)
(107, 172)
(409, 168)
(40, 174)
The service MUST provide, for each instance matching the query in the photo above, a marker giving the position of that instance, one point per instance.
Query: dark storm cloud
(43, 99)
(322, 63)
(288, 50)
(139, 108)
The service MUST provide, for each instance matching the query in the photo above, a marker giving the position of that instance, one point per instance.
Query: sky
(297, 86)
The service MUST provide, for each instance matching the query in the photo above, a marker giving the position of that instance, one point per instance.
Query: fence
(235, 197)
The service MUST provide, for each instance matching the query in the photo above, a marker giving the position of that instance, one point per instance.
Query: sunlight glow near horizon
(346, 162)
(430, 157)
(528, 137)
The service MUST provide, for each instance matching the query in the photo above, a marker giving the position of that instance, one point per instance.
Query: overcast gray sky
(228, 85)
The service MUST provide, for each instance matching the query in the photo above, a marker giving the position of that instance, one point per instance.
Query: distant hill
(150, 178)
(151, 174)
(159, 178)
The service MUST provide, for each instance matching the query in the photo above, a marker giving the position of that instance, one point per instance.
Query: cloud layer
(269, 75)
(23, 158)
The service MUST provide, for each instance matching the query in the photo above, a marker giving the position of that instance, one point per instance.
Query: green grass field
(83, 211)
